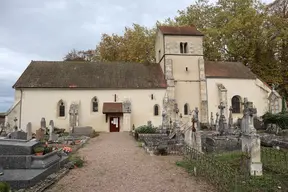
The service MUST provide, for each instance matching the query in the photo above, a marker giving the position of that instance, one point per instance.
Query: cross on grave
(247, 124)
(222, 121)
(211, 120)
(221, 107)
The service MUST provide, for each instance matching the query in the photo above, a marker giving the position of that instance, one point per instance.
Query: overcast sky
(48, 29)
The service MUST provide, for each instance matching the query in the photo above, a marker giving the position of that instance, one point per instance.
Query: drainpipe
(20, 114)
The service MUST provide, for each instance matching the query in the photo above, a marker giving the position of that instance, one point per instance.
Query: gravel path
(116, 164)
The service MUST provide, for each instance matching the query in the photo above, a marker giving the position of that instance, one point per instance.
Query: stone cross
(43, 123)
(217, 121)
(212, 120)
(247, 124)
(29, 131)
(221, 107)
(223, 127)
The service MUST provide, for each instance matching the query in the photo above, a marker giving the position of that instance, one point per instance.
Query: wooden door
(114, 124)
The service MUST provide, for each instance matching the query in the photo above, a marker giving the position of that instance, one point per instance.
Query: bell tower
(179, 50)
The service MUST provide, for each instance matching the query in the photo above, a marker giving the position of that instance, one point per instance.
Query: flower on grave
(67, 149)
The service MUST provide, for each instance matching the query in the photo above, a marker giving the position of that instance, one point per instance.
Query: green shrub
(48, 150)
(4, 187)
(145, 129)
(38, 149)
(77, 160)
(280, 119)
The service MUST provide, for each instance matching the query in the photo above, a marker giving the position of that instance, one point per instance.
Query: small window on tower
(183, 47)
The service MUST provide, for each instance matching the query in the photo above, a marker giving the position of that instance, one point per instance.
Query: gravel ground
(115, 163)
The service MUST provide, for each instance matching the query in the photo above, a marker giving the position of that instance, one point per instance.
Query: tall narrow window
(115, 97)
(95, 104)
(61, 108)
(186, 109)
(156, 110)
(183, 47)
(236, 104)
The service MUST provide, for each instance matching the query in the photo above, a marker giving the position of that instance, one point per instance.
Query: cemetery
(27, 159)
(231, 155)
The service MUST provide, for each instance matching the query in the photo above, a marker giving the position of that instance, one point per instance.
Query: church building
(114, 96)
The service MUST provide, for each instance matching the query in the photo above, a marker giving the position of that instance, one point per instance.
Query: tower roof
(180, 30)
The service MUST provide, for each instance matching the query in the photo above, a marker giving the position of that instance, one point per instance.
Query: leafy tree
(75, 55)
(136, 45)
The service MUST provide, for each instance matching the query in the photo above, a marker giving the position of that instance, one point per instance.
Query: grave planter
(38, 151)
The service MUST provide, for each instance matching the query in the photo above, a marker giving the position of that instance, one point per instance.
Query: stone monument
(251, 143)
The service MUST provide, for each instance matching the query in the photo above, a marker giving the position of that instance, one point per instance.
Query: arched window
(186, 109)
(236, 104)
(61, 109)
(156, 110)
(95, 104)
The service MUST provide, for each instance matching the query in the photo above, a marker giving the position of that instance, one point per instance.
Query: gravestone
(251, 143)
(18, 135)
(29, 131)
(52, 136)
(40, 133)
(43, 123)
(247, 126)
(82, 131)
(149, 123)
(51, 123)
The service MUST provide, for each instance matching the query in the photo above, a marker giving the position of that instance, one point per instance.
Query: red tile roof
(84, 74)
(112, 108)
(183, 30)
(236, 70)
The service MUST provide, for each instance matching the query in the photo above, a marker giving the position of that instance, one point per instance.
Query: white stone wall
(38, 103)
(242, 87)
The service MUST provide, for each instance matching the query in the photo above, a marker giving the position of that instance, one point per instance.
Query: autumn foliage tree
(136, 45)
(247, 31)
